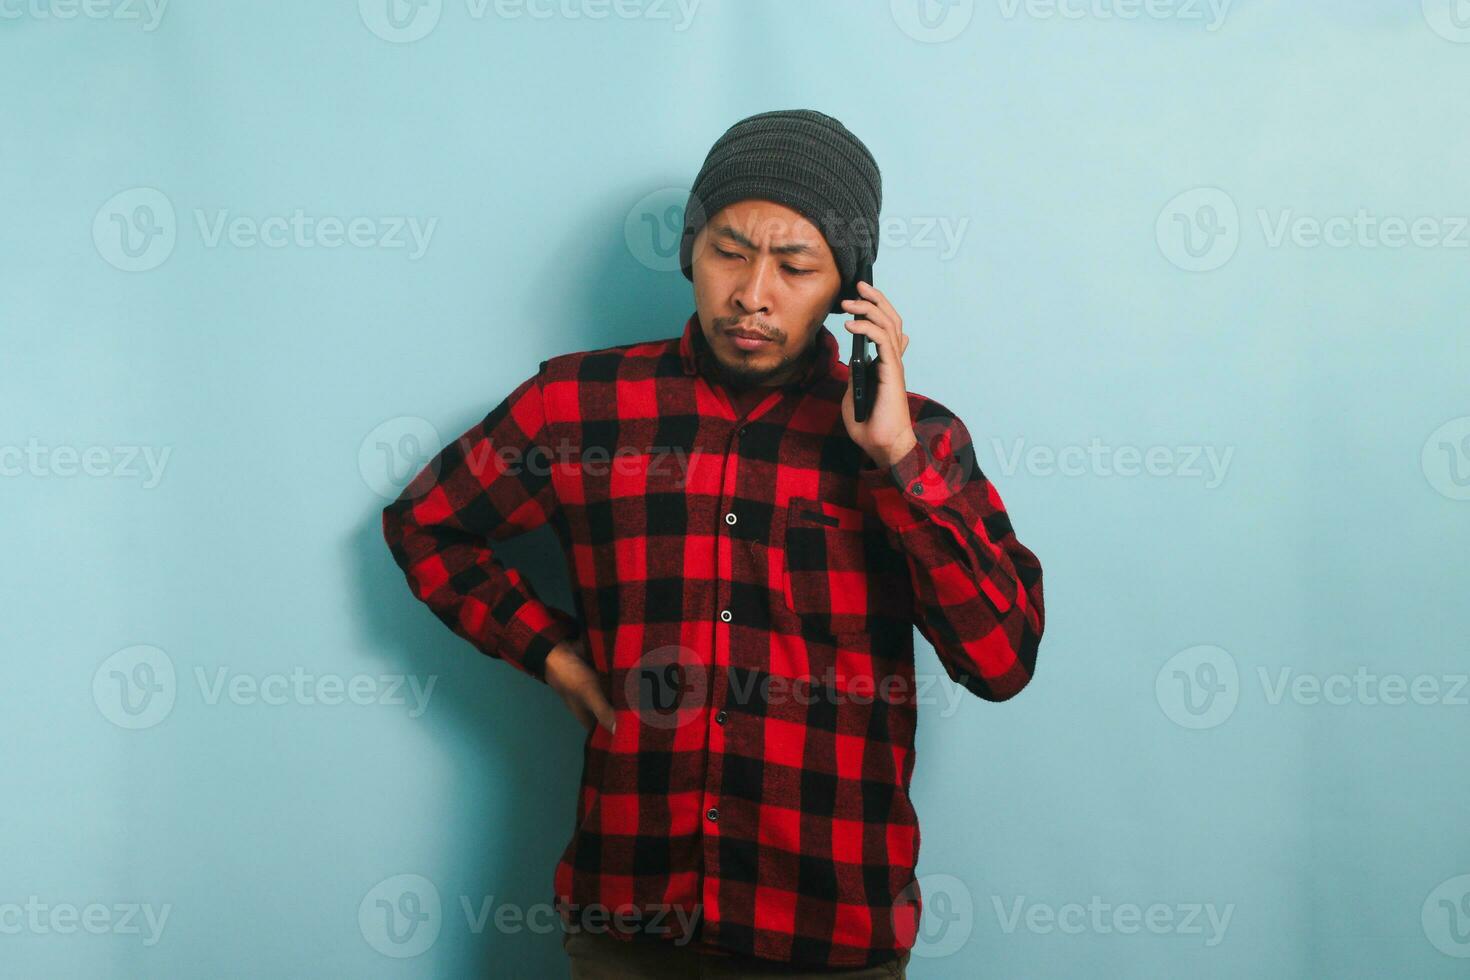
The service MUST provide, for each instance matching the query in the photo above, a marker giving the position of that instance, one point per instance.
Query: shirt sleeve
(977, 589)
(491, 483)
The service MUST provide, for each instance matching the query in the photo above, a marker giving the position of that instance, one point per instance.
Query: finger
(869, 309)
(882, 338)
(867, 328)
(874, 313)
(604, 711)
(875, 294)
(882, 326)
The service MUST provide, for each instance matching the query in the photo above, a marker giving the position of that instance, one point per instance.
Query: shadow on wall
(514, 748)
(516, 757)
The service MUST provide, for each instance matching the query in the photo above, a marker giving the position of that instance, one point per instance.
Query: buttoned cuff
(905, 492)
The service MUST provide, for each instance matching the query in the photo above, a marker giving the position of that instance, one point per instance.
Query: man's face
(764, 281)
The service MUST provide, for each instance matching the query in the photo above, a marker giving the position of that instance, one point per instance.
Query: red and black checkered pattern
(747, 587)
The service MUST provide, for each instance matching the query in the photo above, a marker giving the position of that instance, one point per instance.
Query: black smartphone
(864, 367)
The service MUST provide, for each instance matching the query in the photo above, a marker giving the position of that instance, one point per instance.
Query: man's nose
(751, 295)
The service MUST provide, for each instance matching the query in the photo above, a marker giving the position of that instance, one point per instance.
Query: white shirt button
(730, 518)
(725, 615)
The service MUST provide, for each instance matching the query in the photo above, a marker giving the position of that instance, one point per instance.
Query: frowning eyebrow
(792, 248)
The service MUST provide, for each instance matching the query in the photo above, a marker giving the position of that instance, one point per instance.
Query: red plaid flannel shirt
(747, 589)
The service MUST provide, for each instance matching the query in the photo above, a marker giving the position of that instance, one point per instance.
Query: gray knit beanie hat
(805, 160)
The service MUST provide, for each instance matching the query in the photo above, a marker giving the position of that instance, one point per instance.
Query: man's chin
(739, 369)
(747, 372)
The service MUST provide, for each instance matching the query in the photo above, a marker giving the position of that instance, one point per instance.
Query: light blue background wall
(1155, 761)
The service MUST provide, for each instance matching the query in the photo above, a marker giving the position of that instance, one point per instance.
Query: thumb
(604, 711)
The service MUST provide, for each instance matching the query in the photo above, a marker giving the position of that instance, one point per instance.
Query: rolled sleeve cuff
(533, 630)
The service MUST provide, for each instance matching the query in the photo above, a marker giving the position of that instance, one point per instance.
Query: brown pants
(596, 956)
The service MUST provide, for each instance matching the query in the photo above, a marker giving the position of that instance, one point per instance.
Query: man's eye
(791, 269)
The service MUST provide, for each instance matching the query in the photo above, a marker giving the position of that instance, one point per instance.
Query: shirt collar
(693, 342)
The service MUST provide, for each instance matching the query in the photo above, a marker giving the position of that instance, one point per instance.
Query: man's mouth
(749, 339)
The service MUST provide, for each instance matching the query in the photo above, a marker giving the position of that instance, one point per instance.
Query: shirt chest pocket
(826, 574)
